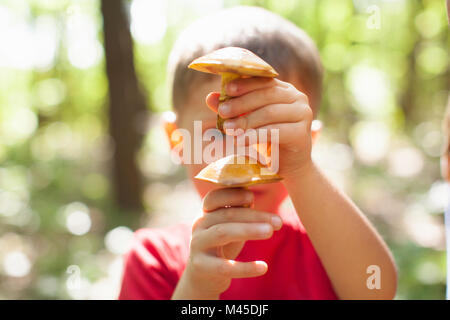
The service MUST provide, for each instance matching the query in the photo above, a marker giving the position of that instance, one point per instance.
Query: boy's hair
(277, 41)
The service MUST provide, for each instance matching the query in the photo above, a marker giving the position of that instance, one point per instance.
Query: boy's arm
(344, 239)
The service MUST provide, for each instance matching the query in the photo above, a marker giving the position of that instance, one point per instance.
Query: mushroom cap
(237, 171)
(233, 60)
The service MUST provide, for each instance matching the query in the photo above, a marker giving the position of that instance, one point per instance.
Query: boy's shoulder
(170, 242)
(155, 262)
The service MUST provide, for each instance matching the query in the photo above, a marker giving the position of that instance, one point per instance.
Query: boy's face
(267, 196)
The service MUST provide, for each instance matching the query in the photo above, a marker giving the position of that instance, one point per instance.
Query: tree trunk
(126, 105)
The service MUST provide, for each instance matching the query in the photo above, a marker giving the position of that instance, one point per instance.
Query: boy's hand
(218, 237)
(267, 103)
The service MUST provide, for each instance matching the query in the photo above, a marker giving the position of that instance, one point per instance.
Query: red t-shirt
(158, 257)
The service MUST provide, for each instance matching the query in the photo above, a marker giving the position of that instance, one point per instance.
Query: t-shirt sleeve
(155, 263)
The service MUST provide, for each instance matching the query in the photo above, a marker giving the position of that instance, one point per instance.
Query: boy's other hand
(267, 103)
(217, 239)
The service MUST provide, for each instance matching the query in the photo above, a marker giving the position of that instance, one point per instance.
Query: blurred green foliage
(386, 85)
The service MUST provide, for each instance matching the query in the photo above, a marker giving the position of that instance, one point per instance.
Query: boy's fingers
(256, 99)
(238, 269)
(273, 113)
(240, 215)
(239, 87)
(224, 233)
(227, 197)
(229, 268)
(287, 133)
(212, 101)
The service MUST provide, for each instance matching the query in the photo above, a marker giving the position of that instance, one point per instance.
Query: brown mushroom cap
(233, 60)
(237, 171)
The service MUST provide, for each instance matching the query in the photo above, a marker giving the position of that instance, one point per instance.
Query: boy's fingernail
(276, 222)
(260, 266)
(224, 109)
(232, 87)
(265, 228)
(230, 124)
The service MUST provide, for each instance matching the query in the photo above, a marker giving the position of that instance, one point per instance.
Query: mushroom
(232, 63)
(237, 171)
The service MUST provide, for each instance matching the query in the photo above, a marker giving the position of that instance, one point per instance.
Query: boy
(267, 253)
